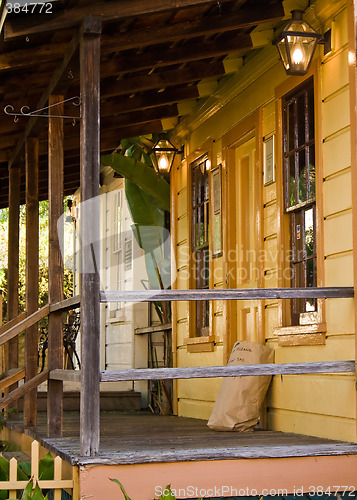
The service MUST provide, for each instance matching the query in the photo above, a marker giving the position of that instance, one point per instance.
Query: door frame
(250, 127)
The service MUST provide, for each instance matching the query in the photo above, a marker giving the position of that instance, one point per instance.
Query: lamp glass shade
(296, 45)
(163, 155)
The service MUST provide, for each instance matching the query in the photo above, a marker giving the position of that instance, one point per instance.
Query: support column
(32, 274)
(55, 264)
(12, 348)
(89, 231)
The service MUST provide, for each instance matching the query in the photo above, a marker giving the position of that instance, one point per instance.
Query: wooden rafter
(157, 57)
(193, 73)
(243, 18)
(147, 100)
(111, 11)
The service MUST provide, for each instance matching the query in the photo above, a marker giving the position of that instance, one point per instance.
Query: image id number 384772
(333, 490)
(29, 8)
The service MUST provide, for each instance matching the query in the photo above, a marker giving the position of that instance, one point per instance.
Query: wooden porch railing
(14, 327)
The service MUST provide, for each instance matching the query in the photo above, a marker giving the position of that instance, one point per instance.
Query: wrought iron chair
(70, 332)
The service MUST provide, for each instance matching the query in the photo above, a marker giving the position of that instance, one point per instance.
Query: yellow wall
(321, 405)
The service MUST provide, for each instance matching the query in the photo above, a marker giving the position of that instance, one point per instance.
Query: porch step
(109, 401)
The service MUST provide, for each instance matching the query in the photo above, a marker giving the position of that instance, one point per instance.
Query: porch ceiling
(153, 55)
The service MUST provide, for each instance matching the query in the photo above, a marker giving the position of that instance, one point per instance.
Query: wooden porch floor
(140, 437)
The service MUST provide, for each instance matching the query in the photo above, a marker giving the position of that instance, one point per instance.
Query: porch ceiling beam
(139, 117)
(22, 58)
(25, 58)
(165, 78)
(158, 58)
(147, 100)
(243, 18)
(35, 125)
(111, 11)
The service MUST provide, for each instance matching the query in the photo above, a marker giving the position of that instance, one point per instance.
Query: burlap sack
(239, 400)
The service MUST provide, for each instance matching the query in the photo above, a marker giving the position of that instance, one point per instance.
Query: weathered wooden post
(12, 348)
(55, 265)
(32, 272)
(89, 233)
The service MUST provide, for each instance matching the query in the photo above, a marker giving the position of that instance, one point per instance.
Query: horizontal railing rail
(25, 322)
(23, 389)
(226, 294)
(212, 371)
(11, 377)
(66, 305)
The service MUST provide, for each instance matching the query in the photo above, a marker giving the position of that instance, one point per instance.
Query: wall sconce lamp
(297, 43)
(70, 217)
(163, 154)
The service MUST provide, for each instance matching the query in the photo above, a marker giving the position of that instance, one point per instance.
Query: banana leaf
(142, 175)
(150, 233)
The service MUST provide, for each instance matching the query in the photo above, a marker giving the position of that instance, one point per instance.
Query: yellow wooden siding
(317, 405)
(341, 28)
(271, 315)
(337, 348)
(338, 270)
(336, 153)
(202, 390)
(337, 194)
(338, 232)
(313, 425)
(195, 409)
(312, 394)
(340, 316)
(335, 74)
(336, 113)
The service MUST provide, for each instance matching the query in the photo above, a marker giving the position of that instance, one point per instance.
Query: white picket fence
(57, 484)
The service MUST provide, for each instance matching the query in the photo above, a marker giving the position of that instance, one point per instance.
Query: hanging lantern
(296, 44)
(163, 154)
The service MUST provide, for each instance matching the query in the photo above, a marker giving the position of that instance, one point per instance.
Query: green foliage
(148, 197)
(43, 259)
(126, 497)
(141, 174)
(132, 161)
(166, 494)
(33, 492)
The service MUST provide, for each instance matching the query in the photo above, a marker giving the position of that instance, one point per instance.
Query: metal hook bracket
(25, 110)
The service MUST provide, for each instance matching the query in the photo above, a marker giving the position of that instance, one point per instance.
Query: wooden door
(244, 255)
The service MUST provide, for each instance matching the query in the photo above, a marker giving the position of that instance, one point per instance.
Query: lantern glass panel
(163, 156)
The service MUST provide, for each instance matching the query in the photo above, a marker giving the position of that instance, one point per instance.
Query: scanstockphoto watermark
(338, 491)
(99, 236)
(192, 491)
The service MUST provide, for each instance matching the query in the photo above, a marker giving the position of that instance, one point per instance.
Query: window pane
(301, 119)
(312, 172)
(309, 232)
(302, 176)
(290, 124)
(311, 120)
(292, 184)
(310, 272)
